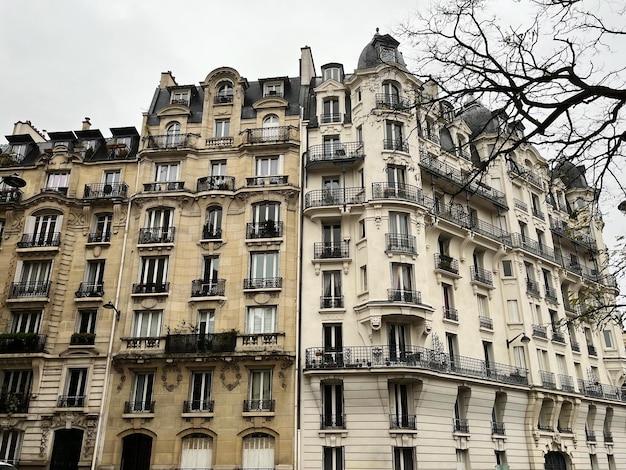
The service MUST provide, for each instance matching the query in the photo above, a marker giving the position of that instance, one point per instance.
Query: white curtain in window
(197, 451)
(258, 452)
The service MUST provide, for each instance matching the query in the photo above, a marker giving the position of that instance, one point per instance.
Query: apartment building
(437, 299)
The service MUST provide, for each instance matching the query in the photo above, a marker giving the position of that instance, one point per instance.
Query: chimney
(167, 79)
(307, 68)
(86, 124)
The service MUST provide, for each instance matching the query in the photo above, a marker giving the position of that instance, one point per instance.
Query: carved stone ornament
(121, 372)
(69, 420)
(174, 367)
(230, 375)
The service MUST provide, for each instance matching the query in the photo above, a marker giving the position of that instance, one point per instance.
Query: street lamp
(109, 305)
(525, 339)
(14, 180)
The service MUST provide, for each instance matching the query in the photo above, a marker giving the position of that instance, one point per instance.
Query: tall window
(222, 128)
(331, 293)
(102, 229)
(264, 265)
(258, 451)
(333, 458)
(206, 321)
(26, 322)
(172, 135)
(267, 166)
(402, 281)
(261, 320)
(153, 276)
(158, 226)
(93, 281)
(34, 280)
(266, 219)
(10, 445)
(200, 399)
(394, 136)
(260, 391)
(391, 94)
(400, 406)
(58, 181)
(210, 273)
(213, 226)
(141, 397)
(333, 337)
(270, 128)
(75, 388)
(403, 458)
(15, 392)
(397, 339)
(331, 111)
(86, 321)
(44, 228)
(332, 404)
(332, 146)
(224, 92)
(147, 324)
(166, 172)
(513, 311)
(197, 451)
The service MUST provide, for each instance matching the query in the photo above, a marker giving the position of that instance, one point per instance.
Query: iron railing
(266, 180)
(334, 197)
(333, 421)
(548, 379)
(260, 339)
(521, 205)
(89, 289)
(326, 250)
(152, 235)
(446, 263)
(460, 425)
(532, 287)
(486, 322)
(21, 343)
(105, 190)
(401, 191)
(37, 240)
(498, 428)
(99, 237)
(216, 183)
(258, 405)
(481, 275)
(335, 152)
(532, 246)
(191, 406)
(558, 336)
(591, 350)
(267, 229)
(151, 288)
(14, 402)
(537, 213)
(163, 186)
(10, 196)
(170, 141)
(142, 342)
(29, 289)
(331, 301)
(590, 435)
(328, 118)
(263, 283)
(575, 346)
(540, 331)
(450, 313)
(551, 294)
(576, 236)
(393, 101)
(208, 288)
(567, 383)
(404, 295)
(269, 135)
(211, 233)
(200, 343)
(139, 407)
(396, 145)
(526, 174)
(400, 243)
(219, 142)
(402, 421)
(69, 401)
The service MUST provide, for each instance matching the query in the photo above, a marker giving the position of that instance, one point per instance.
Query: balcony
(393, 102)
(142, 342)
(481, 275)
(71, 401)
(105, 190)
(62, 190)
(451, 314)
(460, 425)
(575, 346)
(263, 283)
(330, 250)
(526, 174)
(223, 98)
(163, 186)
(397, 145)
(498, 428)
(208, 288)
(99, 237)
(413, 357)
(532, 288)
(21, 290)
(330, 118)
(334, 197)
(592, 350)
(211, 233)
(488, 230)
(548, 379)
(216, 183)
(267, 229)
(590, 435)
(540, 331)
(402, 421)
(538, 214)
(446, 263)
(38, 240)
(139, 407)
(89, 289)
(269, 135)
(405, 296)
(331, 302)
(261, 181)
(608, 436)
(83, 339)
(567, 383)
(10, 196)
(153, 235)
(551, 294)
(485, 323)
(545, 427)
(252, 341)
(564, 430)
(400, 243)
(219, 142)
(532, 246)
(333, 421)
(201, 343)
(14, 402)
(558, 336)
(198, 406)
(597, 390)
(170, 141)
(520, 205)
(258, 405)
(401, 191)
(575, 236)
(151, 288)
(17, 343)
(335, 153)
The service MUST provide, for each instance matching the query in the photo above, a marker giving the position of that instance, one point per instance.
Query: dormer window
(224, 93)
(273, 89)
(180, 97)
(387, 54)
(18, 152)
(332, 73)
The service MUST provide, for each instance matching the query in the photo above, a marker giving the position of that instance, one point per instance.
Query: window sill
(248, 414)
(138, 415)
(198, 414)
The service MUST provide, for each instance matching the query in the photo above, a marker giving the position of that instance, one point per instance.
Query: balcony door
(66, 449)
(399, 405)
(331, 296)
(154, 272)
(332, 416)
(44, 229)
(330, 190)
(264, 265)
(75, 387)
(333, 343)
(200, 391)
(142, 392)
(396, 339)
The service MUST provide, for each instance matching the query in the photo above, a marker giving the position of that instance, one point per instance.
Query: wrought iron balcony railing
(481, 275)
(486, 322)
(532, 288)
(211, 233)
(446, 263)
(576, 236)
(414, 357)
(199, 406)
(597, 390)
(532, 246)
(89, 289)
(164, 186)
(545, 427)
(567, 383)
(99, 237)
(71, 401)
(525, 173)
(151, 288)
(498, 428)
(333, 421)
(148, 236)
(450, 313)
(170, 141)
(404, 295)
(267, 180)
(608, 436)
(393, 101)
(258, 405)
(216, 183)
(208, 288)
(334, 197)
(13, 343)
(139, 407)
(460, 425)
(548, 379)
(591, 349)
(558, 336)
(335, 152)
(401, 191)
(331, 302)
(521, 205)
(83, 339)
(402, 421)
(263, 283)
(551, 294)
(223, 98)
(330, 118)
(540, 331)
(105, 190)
(400, 243)
(575, 346)
(327, 250)
(537, 213)
(267, 229)
(269, 135)
(36, 240)
(29, 289)
(8, 196)
(201, 343)
(396, 145)
(590, 435)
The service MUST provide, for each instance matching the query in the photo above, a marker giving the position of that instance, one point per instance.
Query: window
(10, 445)
(273, 89)
(461, 404)
(166, 172)
(102, 229)
(462, 459)
(364, 287)
(19, 152)
(213, 225)
(222, 128)
(333, 458)
(449, 312)
(483, 306)
(399, 232)
(401, 406)
(403, 458)
(331, 111)
(158, 226)
(172, 135)
(26, 322)
(180, 97)
(263, 269)
(147, 324)
(271, 131)
(519, 357)
(332, 73)
(261, 320)
(394, 136)
(74, 388)
(153, 276)
(260, 391)
(397, 340)
(332, 405)
(333, 147)
(210, 273)
(86, 322)
(331, 290)
(362, 228)
(141, 397)
(265, 220)
(608, 339)
(333, 338)
(402, 282)
(258, 451)
(268, 166)
(206, 321)
(93, 280)
(224, 92)
(58, 181)
(391, 95)
(197, 451)
(2, 223)
(34, 278)
(513, 311)
(15, 393)
(200, 399)
(45, 229)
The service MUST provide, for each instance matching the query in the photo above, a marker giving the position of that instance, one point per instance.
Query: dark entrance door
(555, 461)
(66, 449)
(136, 452)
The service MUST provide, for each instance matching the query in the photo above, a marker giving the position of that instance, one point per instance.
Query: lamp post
(14, 180)
(525, 339)
(109, 306)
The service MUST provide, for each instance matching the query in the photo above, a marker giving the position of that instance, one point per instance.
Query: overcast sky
(63, 60)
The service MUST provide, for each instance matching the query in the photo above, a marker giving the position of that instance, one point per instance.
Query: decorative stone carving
(174, 367)
(230, 375)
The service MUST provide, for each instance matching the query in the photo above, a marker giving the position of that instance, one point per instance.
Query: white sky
(63, 60)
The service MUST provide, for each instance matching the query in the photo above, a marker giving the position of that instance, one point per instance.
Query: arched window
(391, 94)
(270, 128)
(258, 451)
(172, 134)
(136, 452)
(554, 461)
(197, 451)
(224, 93)
(213, 225)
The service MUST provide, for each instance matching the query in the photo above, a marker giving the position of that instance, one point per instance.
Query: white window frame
(200, 390)
(147, 323)
(196, 451)
(222, 128)
(143, 391)
(165, 172)
(261, 319)
(57, 180)
(264, 264)
(26, 321)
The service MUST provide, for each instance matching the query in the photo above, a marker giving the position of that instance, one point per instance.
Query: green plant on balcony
(6, 159)
(83, 338)
(225, 341)
(11, 402)
(15, 342)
